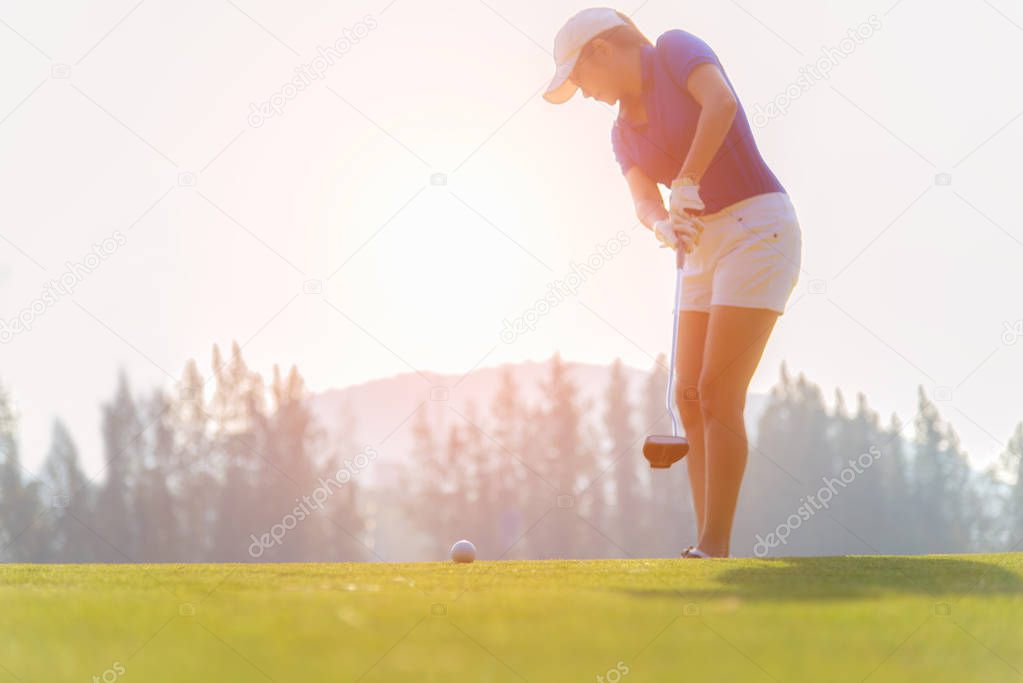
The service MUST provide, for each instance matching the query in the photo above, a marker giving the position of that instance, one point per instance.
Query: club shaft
(669, 399)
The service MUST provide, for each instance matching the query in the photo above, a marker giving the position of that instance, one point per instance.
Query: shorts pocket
(772, 222)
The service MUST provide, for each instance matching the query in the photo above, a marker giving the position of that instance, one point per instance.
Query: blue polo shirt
(659, 147)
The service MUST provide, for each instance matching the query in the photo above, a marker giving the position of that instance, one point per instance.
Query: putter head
(664, 451)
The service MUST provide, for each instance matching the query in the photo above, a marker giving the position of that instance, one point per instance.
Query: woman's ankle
(713, 549)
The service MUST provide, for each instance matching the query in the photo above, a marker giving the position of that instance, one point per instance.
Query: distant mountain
(382, 409)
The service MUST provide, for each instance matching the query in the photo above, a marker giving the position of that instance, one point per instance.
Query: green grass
(950, 618)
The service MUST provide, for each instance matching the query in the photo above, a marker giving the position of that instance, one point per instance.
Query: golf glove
(685, 200)
(671, 233)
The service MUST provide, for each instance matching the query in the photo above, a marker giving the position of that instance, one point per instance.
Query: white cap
(571, 39)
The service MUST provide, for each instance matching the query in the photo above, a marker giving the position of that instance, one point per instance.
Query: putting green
(948, 618)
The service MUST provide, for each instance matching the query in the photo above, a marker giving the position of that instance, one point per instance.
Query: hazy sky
(132, 122)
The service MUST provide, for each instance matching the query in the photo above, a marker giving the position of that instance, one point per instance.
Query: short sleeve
(682, 52)
(622, 155)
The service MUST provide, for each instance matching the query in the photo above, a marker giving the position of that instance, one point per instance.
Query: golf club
(660, 450)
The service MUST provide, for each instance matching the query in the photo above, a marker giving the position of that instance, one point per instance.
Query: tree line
(188, 476)
(234, 467)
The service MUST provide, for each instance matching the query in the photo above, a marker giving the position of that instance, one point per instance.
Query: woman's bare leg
(735, 342)
(688, 365)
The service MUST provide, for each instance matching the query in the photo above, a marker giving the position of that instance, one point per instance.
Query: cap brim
(562, 89)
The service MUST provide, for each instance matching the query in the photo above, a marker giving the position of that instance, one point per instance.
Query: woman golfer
(681, 125)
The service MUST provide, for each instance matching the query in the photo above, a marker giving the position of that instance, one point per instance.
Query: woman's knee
(687, 399)
(720, 401)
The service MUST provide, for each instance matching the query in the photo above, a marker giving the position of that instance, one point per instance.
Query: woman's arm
(718, 107)
(646, 197)
(652, 213)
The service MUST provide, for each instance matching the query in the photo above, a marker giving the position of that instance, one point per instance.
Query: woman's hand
(685, 200)
(673, 234)
(651, 212)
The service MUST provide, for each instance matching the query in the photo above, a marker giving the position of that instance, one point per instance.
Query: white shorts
(749, 256)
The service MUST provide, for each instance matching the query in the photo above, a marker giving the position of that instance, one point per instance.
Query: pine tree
(345, 528)
(855, 448)
(791, 459)
(479, 485)
(511, 502)
(421, 477)
(455, 491)
(896, 494)
(190, 473)
(291, 441)
(72, 497)
(941, 477)
(21, 509)
(153, 503)
(115, 519)
(236, 412)
(624, 456)
(1011, 462)
(565, 463)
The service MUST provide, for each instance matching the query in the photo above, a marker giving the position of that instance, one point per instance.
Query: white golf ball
(463, 551)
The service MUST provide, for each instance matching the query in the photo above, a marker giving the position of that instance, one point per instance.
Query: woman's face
(598, 73)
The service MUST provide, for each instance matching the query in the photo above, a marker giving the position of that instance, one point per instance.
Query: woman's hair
(626, 36)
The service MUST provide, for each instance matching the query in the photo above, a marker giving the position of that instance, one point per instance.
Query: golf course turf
(939, 618)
